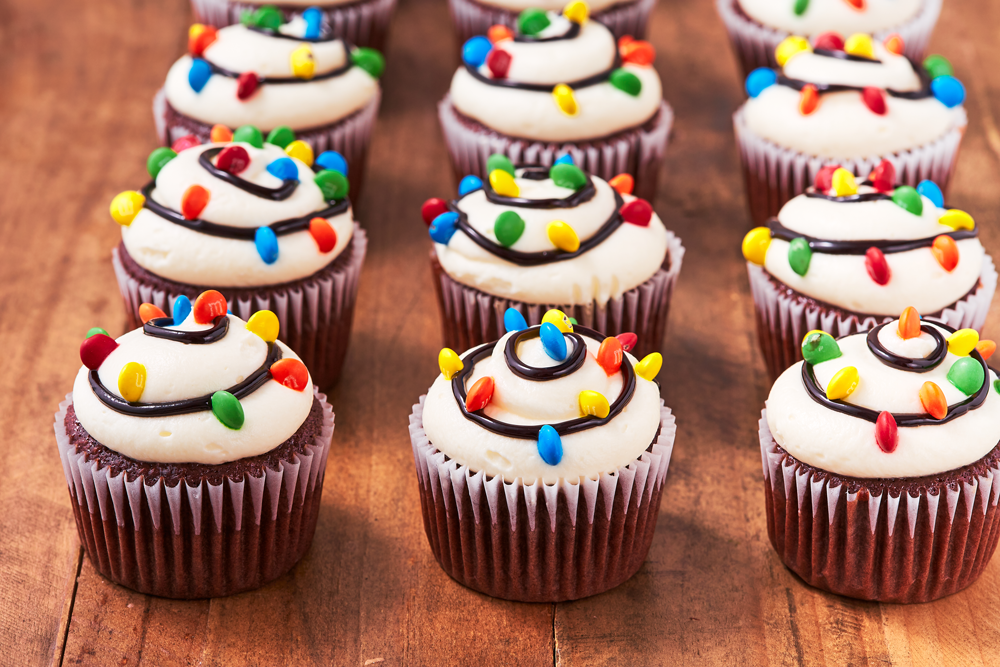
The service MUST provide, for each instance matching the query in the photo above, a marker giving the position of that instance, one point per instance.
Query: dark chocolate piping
(826, 247)
(906, 363)
(261, 80)
(572, 33)
(286, 190)
(813, 193)
(592, 80)
(530, 432)
(844, 55)
(581, 196)
(157, 328)
(329, 37)
(924, 92)
(569, 365)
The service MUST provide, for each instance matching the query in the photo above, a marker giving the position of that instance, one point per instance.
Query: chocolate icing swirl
(566, 367)
(923, 93)
(157, 328)
(905, 363)
(262, 80)
(572, 33)
(286, 190)
(827, 247)
(538, 173)
(329, 37)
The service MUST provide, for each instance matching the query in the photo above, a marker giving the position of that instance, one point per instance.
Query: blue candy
(181, 308)
(513, 320)
(759, 79)
(565, 158)
(469, 184)
(333, 161)
(948, 90)
(284, 168)
(444, 227)
(313, 17)
(930, 190)
(553, 341)
(267, 244)
(199, 74)
(550, 445)
(475, 50)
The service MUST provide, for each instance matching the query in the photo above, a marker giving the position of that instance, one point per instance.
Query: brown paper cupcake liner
(472, 18)
(362, 23)
(754, 43)
(470, 317)
(540, 542)
(638, 151)
(773, 175)
(784, 316)
(315, 313)
(890, 540)
(197, 538)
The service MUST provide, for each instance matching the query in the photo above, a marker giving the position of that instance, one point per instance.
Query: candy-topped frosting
(548, 5)
(809, 17)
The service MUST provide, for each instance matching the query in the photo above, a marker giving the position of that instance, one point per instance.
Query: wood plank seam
(67, 616)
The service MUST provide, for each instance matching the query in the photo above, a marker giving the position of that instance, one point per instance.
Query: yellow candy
(265, 324)
(650, 365)
(449, 362)
(125, 206)
(503, 183)
(195, 30)
(562, 236)
(593, 404)
(860, 44)
(957, 219)
(565, 99)
(755, 245)
(303, 64)
(789, 47)
(843, 383)
(558, 319)
(962, 342)
(300, 150)
(577, 11)
(131, 381)
(844, 183)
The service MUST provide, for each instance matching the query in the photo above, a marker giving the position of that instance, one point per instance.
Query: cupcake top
(547, 235)
(906, 399)
(238, 213)
(551, 402)
(270, 73)
(871, 248)
(809, 17)
(560, 77)
(202, 387)
(545, 5)
(852, 98)
(298, 3)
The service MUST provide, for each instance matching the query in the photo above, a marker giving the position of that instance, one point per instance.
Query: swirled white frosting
(301, 105)
(846, 445)
(837, 15)
(187, 256)
(842, 126)
(174, 372)
(519, 401)
(549, 5)
(916, 278)
(627, 258)
(302, 4)
(603, 109)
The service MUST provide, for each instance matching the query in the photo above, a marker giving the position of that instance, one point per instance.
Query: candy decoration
(553, 341)
(220, 134)
(479, 394)
(800, 7)
(513, 320)
(610, 355)
(945, 252)
(265, 324)
(508, 228)
(759, 80)
(247, 84)
(149, 311)
(228, 410)
(799, 255)
(843, 183)
(313, 16)
(962, 342)
(894, 44)
(93, 331)
(857, 4)
(824, 178)
(650, 366)
(886, 434)
(957, 219)
(443, 227)
(530, 22)
(789, 47)
(819, 346)
(181, 309)
(623, 183)
(267, 244)
(907, 198)
(209, 305)
(323, 234)
(194, 201)
(125, 206)
(843, 383)
(300, 150)
(469, 184)
(501, 162)
(562, 236)
(930, 190)
(933, 401)
(565, 99)
(755, 245)
(503, 183)
(808, 99)
(233, 159)
(877, 266)
(636, 52)
(199, 74)
(986, 348)
(96, 348)
(284, 168)
(332, 184)
(499, 33)
(370, 60)
(831, 41)
(131, 381)
(568, 176)
(860, 44)
(303, 63)
(637, 212)
(967, 375)
(158, 159)
(449, 363)
(185, 142)
(948, 90)
(628, 340)
(874, 99)
(498, 62)
(565, 158)
(249, 134)
(626, 81)
(332, 161)
(268, 17)
(558, 319)
(432, 208)
(937, 65)
(550, 445)
(200, 37)
(281, 136)
(594, 404)
(577, 11)
(909, 323)
(475, 50)
(883, 176)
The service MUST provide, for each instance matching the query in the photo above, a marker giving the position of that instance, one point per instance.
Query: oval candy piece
(843, 183)
(637, 212)
(760, 80)
(986, 348)
(963, 342)
(469, 184)
(265, 324)
(894, 44)
(499, 33)
(565, 99)
(432, 208)
(568, 176)
(909, 323)
(449, 363)
(303, 63)
(95, 349)
(957, 219)
(503, 183)
(626, 81)
(209, 305)
(967, 375)
(148, 311)
(532, 21)
(220, 134)
(228, 410)
(513, 320)
(755, 245)
(233, 159)
(550, 445)
(877, 266)
(313, 16)
(370, 60)
(444, 227)
(819, 346)
(594, 404)
(323, 234)
(933, 401)
(180, 309)
(886, 434)
(247, 84)
(281, 136)
(290, 373)
(799, 255)
(553, 341)
(948, 90)
(565, 158)
(158, 159)
(125, 206)
(200, 37)
(874, 99)
(562, 236)
(475, 50)
(830, 40)
(479, 394)
(843, 383)
(790, 46)
(501, 162)
(937, 65)
(623, 183)
(185, 142)
(883, 176)
(824, 178)
(808, 99)
(610, 355)
(908, 199)
(93, 331)
(284, 168)
(249, 134)
(945, 251)
(930, 190)
(332, 184)
(333, 161)
(860, 44)
(131, 381)
(650, 366)
(194, 201)
(300, 150)
(628, 340)
(266, 242)
(498, 61)
(199, 74)
(558, 319)
(508, 228)
(577, 11)
(636, 51)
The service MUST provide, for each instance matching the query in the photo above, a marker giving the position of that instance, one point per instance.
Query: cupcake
(559, 84)
(255, 222)
(756, 27)
(880, 461)
(844, 257)
(533, 238)
(360, 22)
(195, 450)
(281, 78)
(541, 458)
(475, 17)
(853, 103)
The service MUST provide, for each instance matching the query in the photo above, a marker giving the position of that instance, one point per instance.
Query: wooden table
(76, 129)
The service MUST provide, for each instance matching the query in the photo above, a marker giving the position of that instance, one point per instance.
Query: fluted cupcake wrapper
(196, 539)
(638, 151)
(917, 546)
(362, 23)
(773, 175)
(783, 319)
(754, 44)
(472, 18)
(470, 317)
(315, 314)
(540, 542)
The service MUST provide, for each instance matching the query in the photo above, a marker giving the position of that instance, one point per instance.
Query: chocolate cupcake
(257, 223)
(853, 103)
(195, 450)
(541, 458)
(475, 17)
(842, 258)
(534, 238)
(559, 84)
(881, 456)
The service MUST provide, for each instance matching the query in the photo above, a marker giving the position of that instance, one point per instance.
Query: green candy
(573, 321)
(508, 228)
(568, 176)
(250, 135)
(369, 60)
(937, 65)
(268, 17)
(627, 82)
(501, 162)
(996, 386)
(800, 7)
(967, 375)
(93, 331)
(333, 184)
(227, 409)
(532, 21)
(799, 255)
(281, 136)
(818, 347)
(157, 159)
(908, 199)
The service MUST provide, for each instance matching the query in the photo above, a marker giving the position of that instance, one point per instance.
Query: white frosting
(603, 109)
(837, 15)
(303, 4)
(184, 255)
(301, 106)
(846, 445)
(550, 5)
(175, 371)
(626, 259)
(842, 126)
(916, 277)
(519, 401)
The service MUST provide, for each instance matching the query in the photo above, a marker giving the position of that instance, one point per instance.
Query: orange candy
(498, 33)
(986, 348)
(479, 395)
(893, 44)
(148, 311)
(945, 252)
(323, 233)
(933, 401)
(221, 134)
(909, 323)
(636, 51)
(623, 183)
(290, 373)
(208, 306)
(194, 201)
(609, 355)
(808, 99)
(200, 37)
(857, 4)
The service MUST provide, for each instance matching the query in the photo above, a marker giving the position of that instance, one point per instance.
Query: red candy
(885, 432)
(883, 177)
(831, 41)
(480, 394)
(148, 311)
(877, 267)
(233, 159)
(96, 349)
(808, 99)
(874, 99)
(946, 252)
(610, 354)
(628, 340)
(824, 178)
(894, 44)
(498, 61)
(857, 4)
(636, 51)
(246, 85)
(432, 208)
(637, 212)
(290, 373)
(209, 305)
(198, 42)
(194, 201)
(185, 142)
(324, 235)
(498, 33)
(623, 183)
